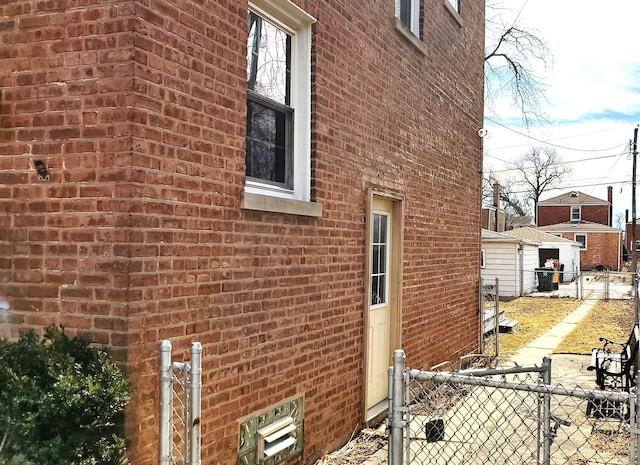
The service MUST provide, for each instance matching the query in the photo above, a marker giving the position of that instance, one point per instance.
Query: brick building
(296, 186)
(586, 219)
(574, 207)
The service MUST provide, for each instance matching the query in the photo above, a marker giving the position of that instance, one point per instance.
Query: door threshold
(377, 409)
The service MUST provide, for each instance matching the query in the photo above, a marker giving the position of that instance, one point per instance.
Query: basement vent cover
(273, 435)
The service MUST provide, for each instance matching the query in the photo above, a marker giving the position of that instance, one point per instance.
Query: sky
(592, 95)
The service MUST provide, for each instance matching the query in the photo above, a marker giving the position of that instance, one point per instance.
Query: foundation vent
(273, 435)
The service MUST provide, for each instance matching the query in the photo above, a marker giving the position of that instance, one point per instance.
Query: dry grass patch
(535, 315)
(612, 319)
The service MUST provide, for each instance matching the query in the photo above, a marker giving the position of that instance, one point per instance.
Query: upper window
(455, 4)
(582, 238)
(278, 138)
(269, 112)
(575, 213)
(408, 12)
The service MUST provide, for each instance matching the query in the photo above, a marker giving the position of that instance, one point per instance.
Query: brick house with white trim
(296, 185)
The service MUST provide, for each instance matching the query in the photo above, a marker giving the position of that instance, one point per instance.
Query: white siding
(530, 262)
(569, 256)
(501, 261)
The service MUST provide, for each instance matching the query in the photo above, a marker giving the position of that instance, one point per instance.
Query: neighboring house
(565, 251)
(585, 219)
(510, 259)
(600, 245)
(488, 219)
(281, 181)
(574, 207)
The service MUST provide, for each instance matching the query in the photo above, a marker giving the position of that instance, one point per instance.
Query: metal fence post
(195, 404)
(496, 305)
(481, 298)
(546, 410)
(634, 449)
(397, 404)
(579, 285)
(165, 422)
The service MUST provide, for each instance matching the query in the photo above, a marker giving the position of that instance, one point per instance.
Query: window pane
(266, 143)
(268, 60)
(379, 259)
(405, 12)
(375, 268)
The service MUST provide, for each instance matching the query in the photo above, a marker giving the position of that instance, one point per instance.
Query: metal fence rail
(180, 405)
(505, 416)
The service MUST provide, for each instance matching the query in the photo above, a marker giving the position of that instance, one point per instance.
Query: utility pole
(634, 259)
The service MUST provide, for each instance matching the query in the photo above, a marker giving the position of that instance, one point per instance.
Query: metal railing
(180, 407)
(506, 416)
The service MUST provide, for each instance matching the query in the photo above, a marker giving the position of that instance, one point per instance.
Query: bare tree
(512, 55)
(538, 171)
(513, 203)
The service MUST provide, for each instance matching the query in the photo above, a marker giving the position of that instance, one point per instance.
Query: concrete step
(507, 326)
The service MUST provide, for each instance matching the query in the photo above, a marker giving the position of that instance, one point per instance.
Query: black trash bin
(545, 279)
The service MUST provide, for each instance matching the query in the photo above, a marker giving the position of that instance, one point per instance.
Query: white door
(379, 349)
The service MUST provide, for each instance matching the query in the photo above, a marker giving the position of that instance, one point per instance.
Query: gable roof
(579, 227)
(492, 236)
(488, 235)
(573, 198)
(534, 234)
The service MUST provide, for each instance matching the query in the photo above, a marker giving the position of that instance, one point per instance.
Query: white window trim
(455, 12)
(579, 213)
(585, 240)
(414, 27)
(297, 23)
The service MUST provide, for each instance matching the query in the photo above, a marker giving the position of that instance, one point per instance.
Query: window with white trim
(408, 12)
(455, 4)
(582, 238)
(575, 213)
(278, 150)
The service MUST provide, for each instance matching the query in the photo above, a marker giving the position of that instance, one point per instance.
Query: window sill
(410, 36)
(267, 203)
(453, 13)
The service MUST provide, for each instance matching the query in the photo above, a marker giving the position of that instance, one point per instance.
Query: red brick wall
(138, 110)
(602, 249)
(554, 214)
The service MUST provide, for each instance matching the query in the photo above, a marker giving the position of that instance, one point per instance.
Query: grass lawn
(612, 319)
(535, 315)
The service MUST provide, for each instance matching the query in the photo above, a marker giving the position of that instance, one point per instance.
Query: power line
(584, 160)
(548, 142)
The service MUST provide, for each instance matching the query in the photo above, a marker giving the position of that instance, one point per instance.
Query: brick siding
(138, 110)
(554, 214)
(603, 249)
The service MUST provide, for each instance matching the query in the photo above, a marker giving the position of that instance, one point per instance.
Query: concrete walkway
(536, 350)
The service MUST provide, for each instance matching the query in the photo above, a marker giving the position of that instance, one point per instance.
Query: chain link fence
(505, 416)
(180, 399)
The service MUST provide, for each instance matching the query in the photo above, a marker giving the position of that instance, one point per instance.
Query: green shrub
(61, 401)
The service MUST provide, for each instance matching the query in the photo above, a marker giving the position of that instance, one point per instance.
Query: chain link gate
(180, 399)
(504, 416)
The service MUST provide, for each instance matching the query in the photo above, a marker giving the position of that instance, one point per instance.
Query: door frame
(395, 284)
